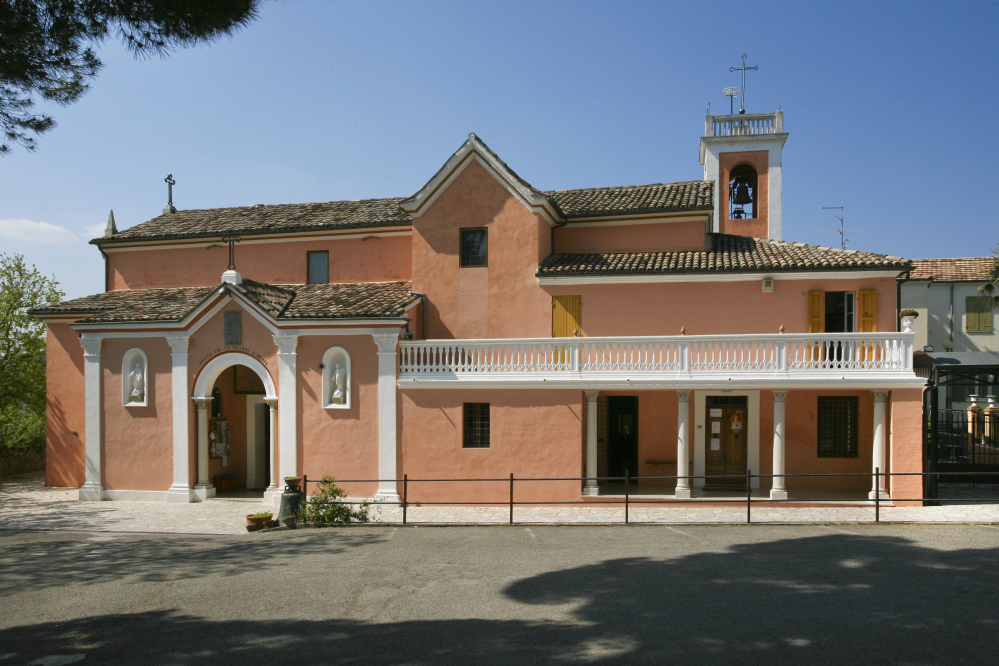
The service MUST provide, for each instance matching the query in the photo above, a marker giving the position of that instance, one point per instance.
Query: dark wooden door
(725, 441)
(622, 435)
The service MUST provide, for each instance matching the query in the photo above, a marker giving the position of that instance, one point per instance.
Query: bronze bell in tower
(741, 195)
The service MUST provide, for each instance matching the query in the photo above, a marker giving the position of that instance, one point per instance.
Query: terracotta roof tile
(729, 254)
(633, 199)
(960, 269)
(366, 300)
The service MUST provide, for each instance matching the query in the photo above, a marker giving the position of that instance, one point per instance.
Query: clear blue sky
(890, 108)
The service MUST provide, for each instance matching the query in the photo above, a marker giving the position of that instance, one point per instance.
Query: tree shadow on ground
(61, 559)
(806, 601)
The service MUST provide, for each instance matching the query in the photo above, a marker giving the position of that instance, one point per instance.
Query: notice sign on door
(716, 413)
(715, 444)
(715, 427)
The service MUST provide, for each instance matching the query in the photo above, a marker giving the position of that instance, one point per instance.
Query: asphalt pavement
(740, 595)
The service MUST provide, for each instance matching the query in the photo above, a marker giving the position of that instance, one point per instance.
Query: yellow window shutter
(816, 312)
(985, 314)
(567, 316)
(978, 314)
(971, 314)
(868, 310)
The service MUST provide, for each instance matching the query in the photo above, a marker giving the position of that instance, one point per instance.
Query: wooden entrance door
(622, 435)
(725, 440)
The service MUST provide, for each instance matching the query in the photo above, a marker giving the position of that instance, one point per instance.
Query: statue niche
(134, 379)
(336, 378)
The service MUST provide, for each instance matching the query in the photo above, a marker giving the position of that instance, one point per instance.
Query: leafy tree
(46, 47)
(22, 355)
(991, 286)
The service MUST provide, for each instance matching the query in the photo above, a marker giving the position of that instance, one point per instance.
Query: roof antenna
(170, 183)
(731, 93)
(743, 69)
(842, 229)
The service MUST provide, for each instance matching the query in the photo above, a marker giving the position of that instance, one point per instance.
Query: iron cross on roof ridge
(231, 239)
(743, 69)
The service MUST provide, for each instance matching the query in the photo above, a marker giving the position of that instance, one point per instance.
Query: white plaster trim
(253, 441)
(215, 367)
(93, 419)
(752, 432)
(473, 149)
(110, 248)
(387, 418)
(288, 414)
(137, 495)
(716, 277)
(672, 382)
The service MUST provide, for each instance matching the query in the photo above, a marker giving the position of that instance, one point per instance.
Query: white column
(92, 489)
(778, 491)
(878, 459)
(683, 444)
(387, 424)
(273, 493)
(591, 489)
(287, 392)
(180, 491)
(203, 489)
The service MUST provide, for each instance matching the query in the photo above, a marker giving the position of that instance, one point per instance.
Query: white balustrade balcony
(845, 360)
(746, 124)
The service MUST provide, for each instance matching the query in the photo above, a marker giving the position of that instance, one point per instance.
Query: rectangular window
(476, 425)
(474, 250)
(319, 267)
(839, 312)
(838, 426)
(978, 314)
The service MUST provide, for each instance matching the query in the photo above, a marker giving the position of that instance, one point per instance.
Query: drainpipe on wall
(952, 316)
(557, 226)
(424, 297)
(107, 269)
(898, 301)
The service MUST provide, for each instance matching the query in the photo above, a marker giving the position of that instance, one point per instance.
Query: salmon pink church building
(484, 327)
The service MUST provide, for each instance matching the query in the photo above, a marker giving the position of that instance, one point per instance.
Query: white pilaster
(591, 488)
(387, 423)
(778, 491)
(273, 493)
(878, 459)
(683, 444)
(287, 392)
(203, 489)
(92, 489)
(180, 491)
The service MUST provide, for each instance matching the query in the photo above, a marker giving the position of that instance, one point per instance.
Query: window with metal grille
(838, 426)
(474, 247)
(319, 267)
(476, 425)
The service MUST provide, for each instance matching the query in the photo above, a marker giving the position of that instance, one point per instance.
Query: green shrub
(262, 514)
(326, 506)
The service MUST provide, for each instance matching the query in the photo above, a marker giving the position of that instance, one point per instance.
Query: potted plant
(258, 521)
(908, 319)
(224, 483)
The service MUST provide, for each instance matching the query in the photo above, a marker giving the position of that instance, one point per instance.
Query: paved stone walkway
(25, 503)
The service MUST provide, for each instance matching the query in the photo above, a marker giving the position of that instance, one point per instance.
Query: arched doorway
(236, 399)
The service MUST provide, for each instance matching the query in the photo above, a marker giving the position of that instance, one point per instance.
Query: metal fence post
(405, 494)
(877, 495)
(627, 483)
(511, 498)
(749, 496)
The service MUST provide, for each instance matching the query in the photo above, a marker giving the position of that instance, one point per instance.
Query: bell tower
(741, 154)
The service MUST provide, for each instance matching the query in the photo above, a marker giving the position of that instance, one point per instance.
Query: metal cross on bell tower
(743, 69)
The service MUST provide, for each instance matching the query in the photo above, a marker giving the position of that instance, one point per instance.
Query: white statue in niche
(339, 382)
(138, 385)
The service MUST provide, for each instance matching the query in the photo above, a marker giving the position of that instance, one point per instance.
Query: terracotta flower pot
(254, 523)
(293, 482)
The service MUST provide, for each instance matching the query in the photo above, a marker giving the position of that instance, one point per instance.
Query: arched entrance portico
(202, 397)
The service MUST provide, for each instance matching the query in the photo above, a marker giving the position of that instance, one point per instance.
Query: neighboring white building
(953, 316)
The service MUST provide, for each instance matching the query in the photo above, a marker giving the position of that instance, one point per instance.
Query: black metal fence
(405, 501)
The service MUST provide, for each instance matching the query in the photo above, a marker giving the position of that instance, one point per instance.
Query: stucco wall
(500, 300)
(339, 442)
(65, 417)
(933, 326)
(351, 260)
(138, 441)
(711, 308)
(906, 444)
(661, 237)
(533, 433)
